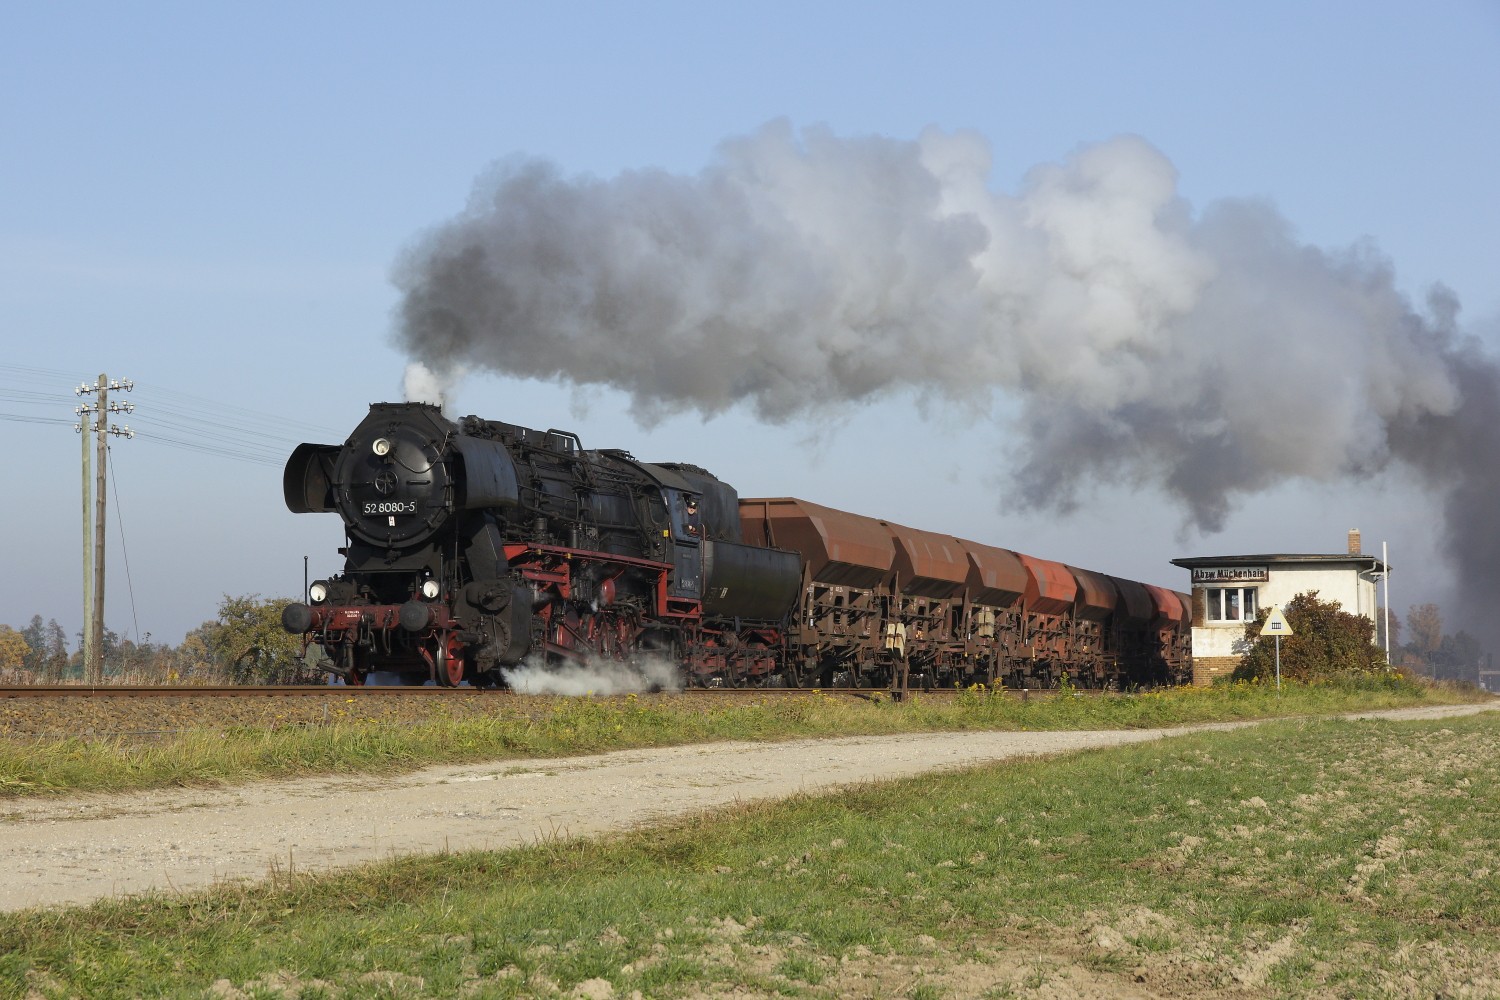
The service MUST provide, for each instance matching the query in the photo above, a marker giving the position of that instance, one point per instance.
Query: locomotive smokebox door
(393, 479)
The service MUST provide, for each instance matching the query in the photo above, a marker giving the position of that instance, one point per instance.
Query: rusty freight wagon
(883, 604)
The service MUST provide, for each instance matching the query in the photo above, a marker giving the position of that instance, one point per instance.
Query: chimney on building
(1354, 548)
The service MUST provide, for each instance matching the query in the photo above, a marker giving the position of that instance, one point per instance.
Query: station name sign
(1231, 574)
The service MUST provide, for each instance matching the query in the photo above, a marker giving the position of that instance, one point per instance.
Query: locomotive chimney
(1354, 548)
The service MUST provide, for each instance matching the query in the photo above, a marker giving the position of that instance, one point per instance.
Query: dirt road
(77, 849)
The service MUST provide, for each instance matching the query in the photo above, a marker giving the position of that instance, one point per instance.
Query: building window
(1229, 604)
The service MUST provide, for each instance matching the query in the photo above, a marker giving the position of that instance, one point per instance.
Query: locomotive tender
(474, 545)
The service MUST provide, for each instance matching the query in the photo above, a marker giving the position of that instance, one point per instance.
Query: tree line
(244, 644)
(1456, 656)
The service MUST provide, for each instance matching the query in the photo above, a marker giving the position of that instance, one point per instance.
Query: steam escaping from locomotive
(1205, 352)
(642, 676)
(422, 385)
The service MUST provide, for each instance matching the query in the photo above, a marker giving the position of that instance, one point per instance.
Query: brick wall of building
(1206, 669)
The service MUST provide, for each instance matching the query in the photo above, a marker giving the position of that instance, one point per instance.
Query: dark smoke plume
(1207, 353)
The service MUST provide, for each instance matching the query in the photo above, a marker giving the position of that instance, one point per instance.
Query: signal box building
(1229, 591)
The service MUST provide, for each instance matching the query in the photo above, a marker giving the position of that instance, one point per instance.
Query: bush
(1326, 641)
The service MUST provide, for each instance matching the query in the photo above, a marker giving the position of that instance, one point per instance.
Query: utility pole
(85, 429)
(1385, 572)
(94, 628)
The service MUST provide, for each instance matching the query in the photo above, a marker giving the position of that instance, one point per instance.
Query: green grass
(1325, 858)
(585, 725)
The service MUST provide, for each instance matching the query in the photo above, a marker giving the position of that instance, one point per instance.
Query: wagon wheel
(448, 661)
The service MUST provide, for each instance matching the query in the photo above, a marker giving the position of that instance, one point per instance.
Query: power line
(207, 448)
(174, 419)
(24, 418)
(249, 451)
(29, 396)
(114, 486)
(50, 374)
(28, 380)
(275, 446)
(285, 426)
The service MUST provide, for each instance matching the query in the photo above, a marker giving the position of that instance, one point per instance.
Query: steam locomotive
(474, 545)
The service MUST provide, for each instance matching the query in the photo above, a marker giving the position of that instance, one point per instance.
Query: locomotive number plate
(405, 507)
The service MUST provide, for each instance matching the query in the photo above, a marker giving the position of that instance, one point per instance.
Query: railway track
(379, 691)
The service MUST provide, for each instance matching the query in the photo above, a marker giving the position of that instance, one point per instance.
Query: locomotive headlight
(381, 447)
(318, 593)
(430, 589)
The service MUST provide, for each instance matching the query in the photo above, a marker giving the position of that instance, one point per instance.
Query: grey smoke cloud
(1208, 353)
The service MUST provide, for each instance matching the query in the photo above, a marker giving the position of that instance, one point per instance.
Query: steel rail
(381, 691)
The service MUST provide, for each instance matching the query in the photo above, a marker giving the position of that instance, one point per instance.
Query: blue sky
(209, 199)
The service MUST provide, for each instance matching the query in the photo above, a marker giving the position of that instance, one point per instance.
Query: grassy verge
(585, 725)
(1298, 858)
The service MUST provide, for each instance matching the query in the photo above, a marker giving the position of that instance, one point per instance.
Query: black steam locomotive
(475, 545)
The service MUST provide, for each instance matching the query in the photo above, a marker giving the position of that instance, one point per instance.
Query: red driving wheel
(448, 664)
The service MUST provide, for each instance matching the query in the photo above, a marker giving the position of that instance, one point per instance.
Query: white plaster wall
(1224, 639)
(1354, 593)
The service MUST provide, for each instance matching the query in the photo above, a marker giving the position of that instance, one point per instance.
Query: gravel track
(82, 848)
